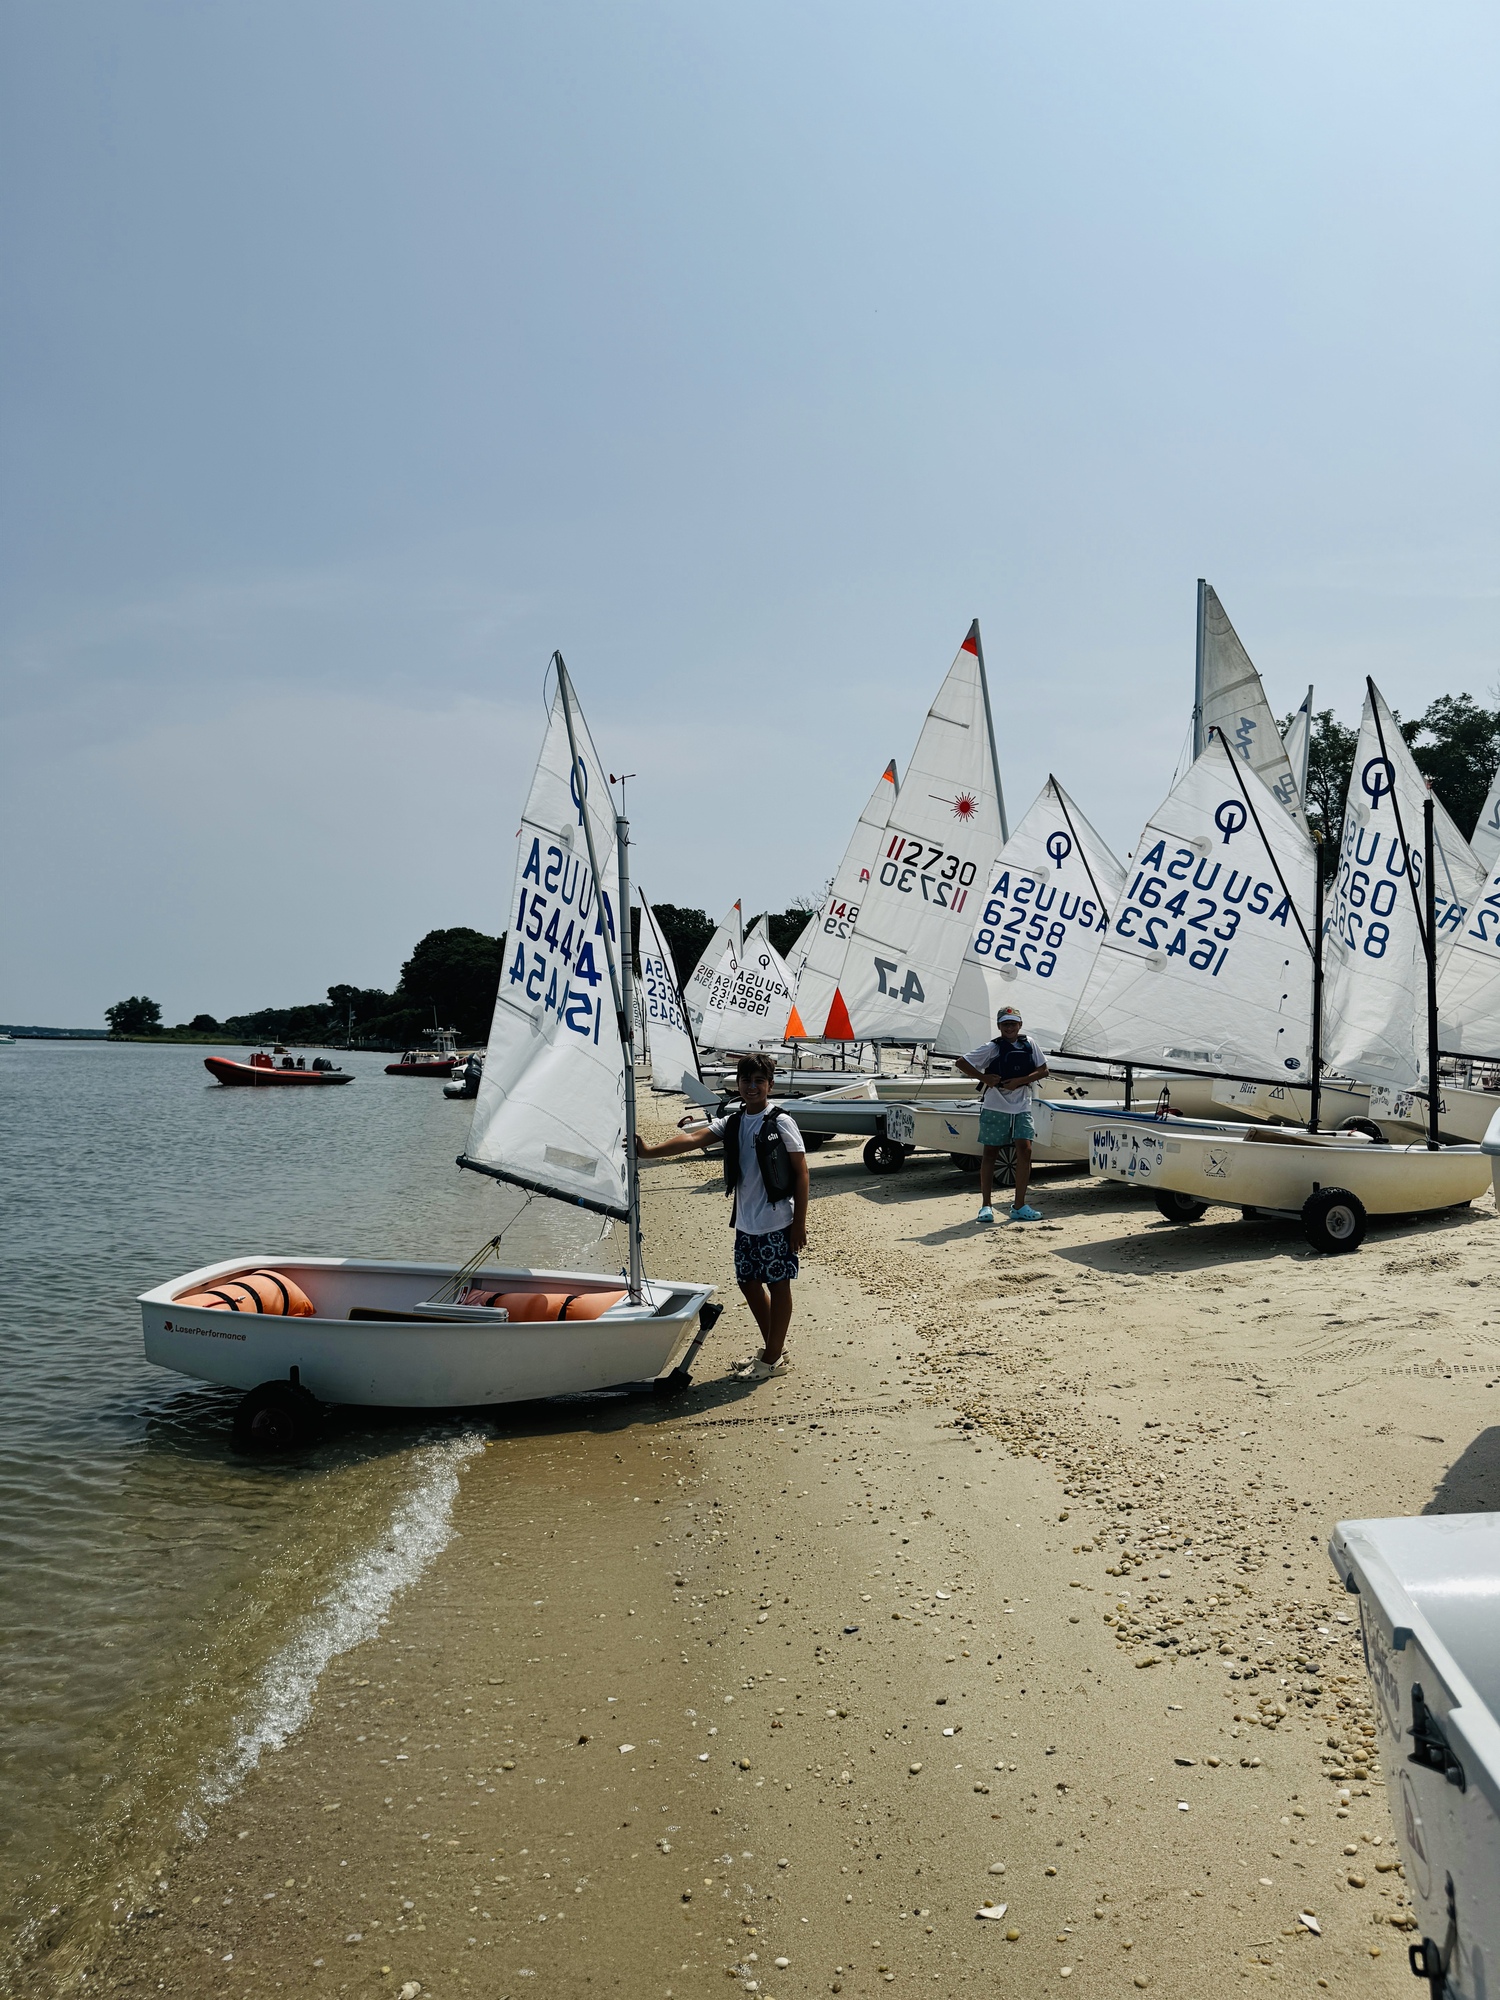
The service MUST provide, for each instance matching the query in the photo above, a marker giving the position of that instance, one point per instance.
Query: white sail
(1469, 983)
(730, 935)
(1485, 845)
(1374, 955)
(550, 1115)
(750, 996)
(819, 1011)
(917, 914)
(673, 1057)
(1037, 927)
(796, 958)
(1296, 740)
(1208, 961)
(1234, 701)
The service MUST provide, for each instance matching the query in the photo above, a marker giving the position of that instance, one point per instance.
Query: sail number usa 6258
(1026, 924)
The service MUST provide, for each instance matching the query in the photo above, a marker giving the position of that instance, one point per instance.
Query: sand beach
(1014, 1592)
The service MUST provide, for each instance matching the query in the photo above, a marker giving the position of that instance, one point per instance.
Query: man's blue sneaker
(986, 1214)
(1026, 1213)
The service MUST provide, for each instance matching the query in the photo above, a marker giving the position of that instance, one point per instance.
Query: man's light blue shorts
(1003, 1128)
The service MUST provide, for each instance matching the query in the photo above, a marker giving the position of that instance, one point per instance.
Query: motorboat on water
(440, 1060)
(555, 1117)
(465, 1082)
(1329, 1181)
(263, 1072)
(1429, 1608)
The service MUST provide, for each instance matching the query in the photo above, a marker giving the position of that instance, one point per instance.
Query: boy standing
(1006, 1068)
(765, 1170)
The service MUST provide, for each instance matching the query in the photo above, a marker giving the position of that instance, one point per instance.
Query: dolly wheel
(814, 1140)
(1368, 1127)
(1333, 1220)
(276, 1417)
(1178, 1207)
(884, 1156)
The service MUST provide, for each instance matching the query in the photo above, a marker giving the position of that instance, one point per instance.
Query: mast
(989, 723)
(627, 973)
(1198, 672)
(1301, 776)
(1432, 1003)
(1317, 989)
(620, 997)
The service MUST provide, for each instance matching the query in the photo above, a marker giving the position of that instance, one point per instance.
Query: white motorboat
(1330, 1181)
(1429, 1603)
(555, 1115)
(382, 1333)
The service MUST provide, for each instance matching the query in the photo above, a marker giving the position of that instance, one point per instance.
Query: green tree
(1330, 760)
(1456, 744)
(455, 974)
(135, 1016)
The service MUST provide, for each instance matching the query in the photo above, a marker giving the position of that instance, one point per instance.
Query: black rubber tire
(813, 1140)
(884, 1156)
(1334, 1221)
(276, 1417)
(1178, 1207)
(967, 1163)
(1368, 1126)
(1005, 1165)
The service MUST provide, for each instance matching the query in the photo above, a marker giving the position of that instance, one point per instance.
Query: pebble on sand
(914, 1768)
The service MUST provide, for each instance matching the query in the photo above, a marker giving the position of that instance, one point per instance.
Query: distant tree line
(450, 981)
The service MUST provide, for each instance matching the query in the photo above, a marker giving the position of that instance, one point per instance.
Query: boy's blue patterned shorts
(767, 1259)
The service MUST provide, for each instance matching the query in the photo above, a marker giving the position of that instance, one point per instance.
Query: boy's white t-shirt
(995, 1099)
(754, 1215)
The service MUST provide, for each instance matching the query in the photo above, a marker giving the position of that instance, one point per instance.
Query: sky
(355, 356)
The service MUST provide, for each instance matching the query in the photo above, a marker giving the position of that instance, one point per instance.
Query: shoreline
(1073, 1482)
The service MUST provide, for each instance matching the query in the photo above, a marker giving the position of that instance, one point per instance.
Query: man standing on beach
(765, 1170)
(1006, 1068)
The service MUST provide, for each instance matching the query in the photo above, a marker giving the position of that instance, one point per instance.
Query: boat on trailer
(555, 1116)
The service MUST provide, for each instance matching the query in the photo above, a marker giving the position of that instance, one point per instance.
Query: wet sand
(1022, 1568)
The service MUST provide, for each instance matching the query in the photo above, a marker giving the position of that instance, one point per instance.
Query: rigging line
(1416, 900)
(1181, 1069)
(1215, 730)
(1082, 852)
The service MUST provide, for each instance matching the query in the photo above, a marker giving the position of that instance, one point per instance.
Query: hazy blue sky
(356, 355)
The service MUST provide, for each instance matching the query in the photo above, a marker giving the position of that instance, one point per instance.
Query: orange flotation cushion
(548, 1305)
(256, 1292)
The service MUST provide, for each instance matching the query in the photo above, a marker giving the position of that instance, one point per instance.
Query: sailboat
(945, 826)
(1271, 1016)
(748, 1000)
(674, 1058)
(729, 935)
(819, 1012)
(555, 1115)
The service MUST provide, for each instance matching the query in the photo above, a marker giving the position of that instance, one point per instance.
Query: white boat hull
(1429, 1601)
(416, 1363)
(1262, 1169)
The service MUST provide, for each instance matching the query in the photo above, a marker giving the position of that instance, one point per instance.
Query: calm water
(168, 1607)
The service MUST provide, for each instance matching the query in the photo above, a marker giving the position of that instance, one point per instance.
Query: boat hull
(1429, 1604)
(247, 1076)
(415, 1363)
(442, 1068)
(1250, 1171)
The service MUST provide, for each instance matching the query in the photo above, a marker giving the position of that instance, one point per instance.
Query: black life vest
(1017, 1058)
(771, 1155)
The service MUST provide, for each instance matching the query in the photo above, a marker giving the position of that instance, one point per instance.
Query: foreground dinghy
(555, 1115)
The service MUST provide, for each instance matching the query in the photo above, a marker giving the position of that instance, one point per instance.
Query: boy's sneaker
(1026, 1213)
(986, 1214)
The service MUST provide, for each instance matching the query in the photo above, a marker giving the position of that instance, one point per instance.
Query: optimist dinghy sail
(1230, 698)
(1375, 950)
(1037, 928)
(1296, 740)
(819, 1012)
(551, 1111)
(730, 936)
(1208, 963)
(1485, 845)
(674, 1060)
(945, 827)
(750, 996)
